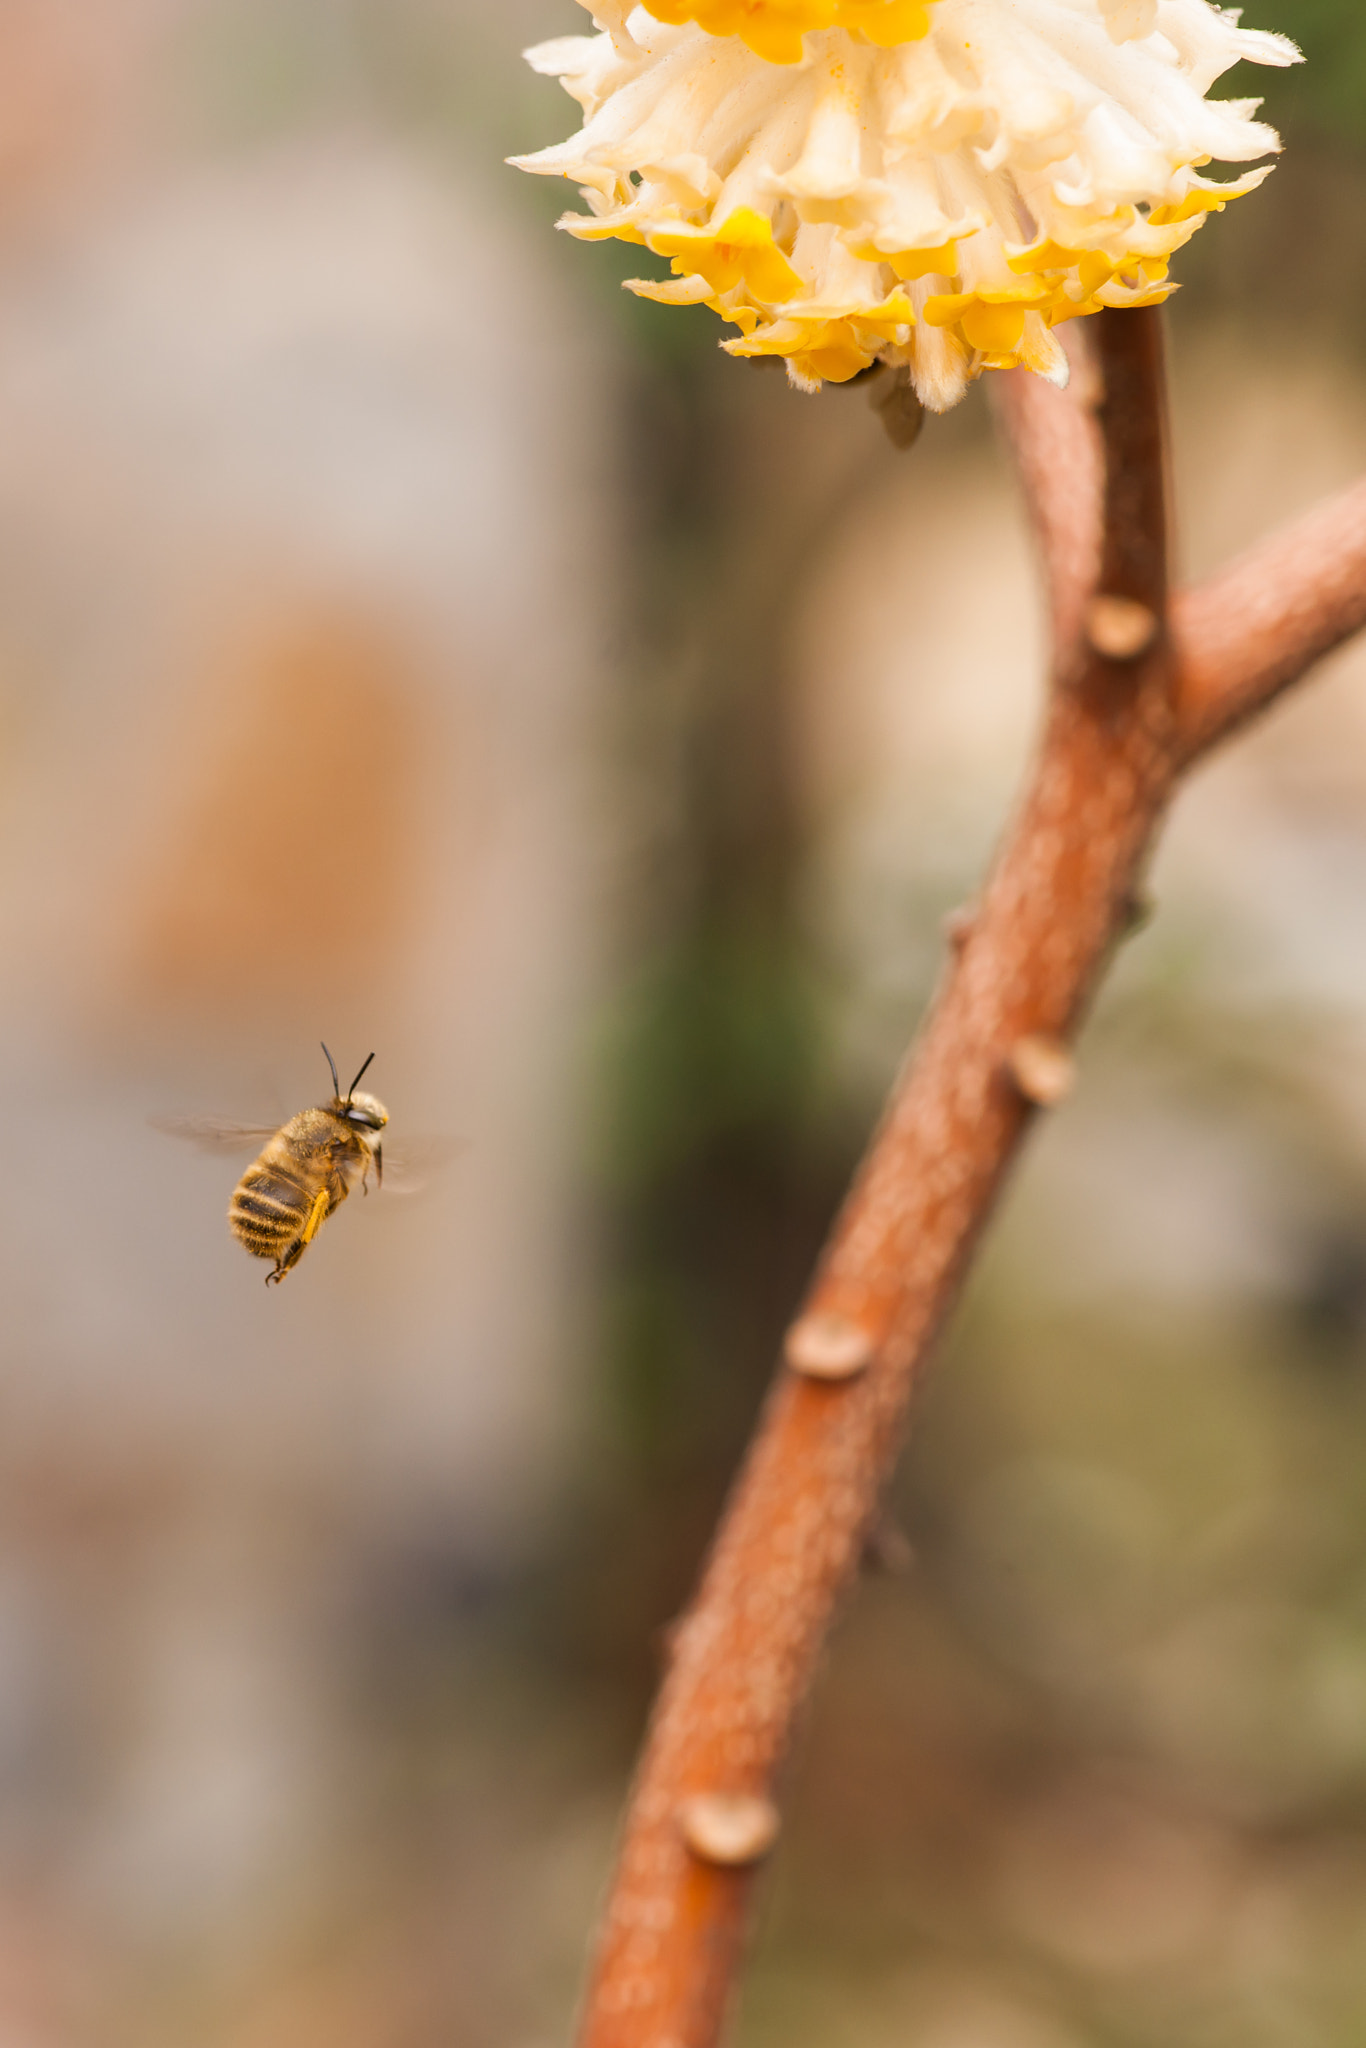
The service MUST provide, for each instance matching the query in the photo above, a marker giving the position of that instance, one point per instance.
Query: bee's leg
(286, 1262)
(314, 1224)
(291, 1258)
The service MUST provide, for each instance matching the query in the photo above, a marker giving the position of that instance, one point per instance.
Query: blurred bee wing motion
(215, 1133)
(413, 1166)
(410, 1166)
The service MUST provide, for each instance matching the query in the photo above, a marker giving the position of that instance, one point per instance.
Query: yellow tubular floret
(740, 251)
(737, 269)
(829, 344)
(773, 29)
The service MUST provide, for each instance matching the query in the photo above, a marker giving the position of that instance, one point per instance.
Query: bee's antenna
(356, 1083)
(336, 1084)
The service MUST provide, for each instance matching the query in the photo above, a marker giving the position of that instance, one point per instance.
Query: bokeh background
(409, 639)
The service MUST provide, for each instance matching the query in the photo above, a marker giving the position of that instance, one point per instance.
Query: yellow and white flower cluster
(937, 183)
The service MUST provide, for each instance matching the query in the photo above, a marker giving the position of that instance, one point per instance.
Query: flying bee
(306, 1169)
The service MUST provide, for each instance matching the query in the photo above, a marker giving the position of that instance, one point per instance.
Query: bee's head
(364, 1110)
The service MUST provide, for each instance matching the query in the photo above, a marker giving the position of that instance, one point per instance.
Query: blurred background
(407, 638)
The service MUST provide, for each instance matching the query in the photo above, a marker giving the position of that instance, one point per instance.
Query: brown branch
(1118, 735)
(1256, 626)
(1241, 637)
(1055, 438)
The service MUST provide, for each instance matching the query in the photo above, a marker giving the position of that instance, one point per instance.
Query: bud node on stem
(1120, 628)
(733, 1829)
(827, 1347)
(1043, 1070)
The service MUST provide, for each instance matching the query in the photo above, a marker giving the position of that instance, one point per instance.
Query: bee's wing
(215, 1133)
(412, 1164)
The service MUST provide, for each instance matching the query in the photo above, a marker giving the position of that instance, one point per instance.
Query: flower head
(937, 183)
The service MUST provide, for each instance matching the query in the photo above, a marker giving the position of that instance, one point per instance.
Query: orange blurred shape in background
(290, 867)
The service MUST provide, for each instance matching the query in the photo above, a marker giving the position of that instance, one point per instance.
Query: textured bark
(1256, 626)
(1118, 735)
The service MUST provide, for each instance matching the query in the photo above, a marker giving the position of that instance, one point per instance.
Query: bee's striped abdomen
(267, 1211)
(291, 1189)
